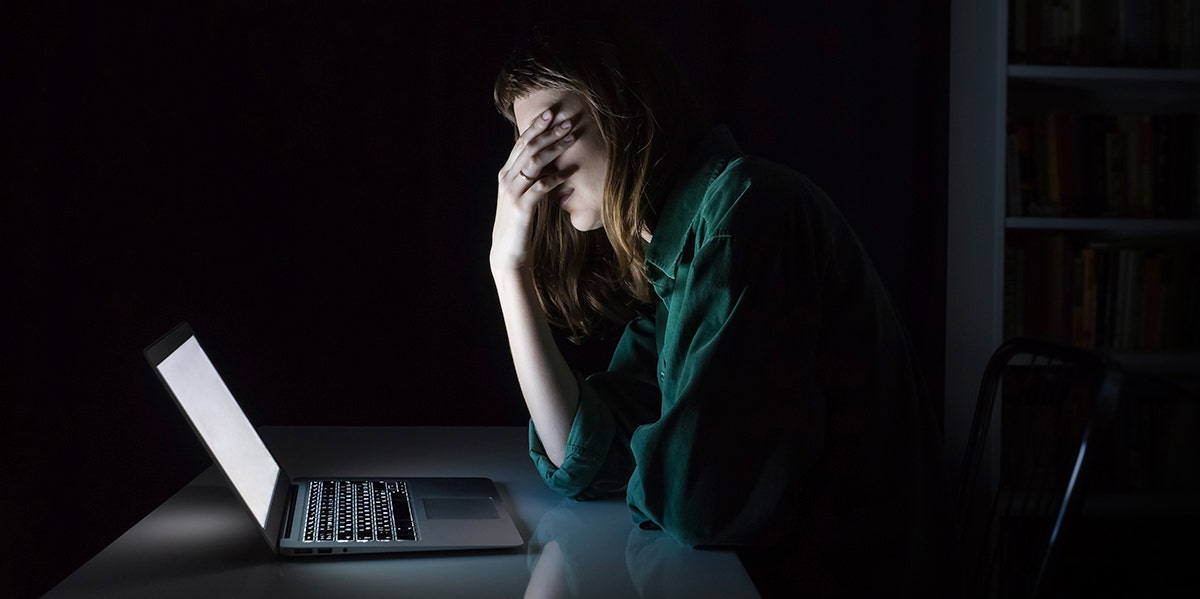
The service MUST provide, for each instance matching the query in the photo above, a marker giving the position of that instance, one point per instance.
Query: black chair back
(1041, 410)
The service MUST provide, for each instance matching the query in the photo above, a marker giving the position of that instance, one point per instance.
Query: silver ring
(524, 176)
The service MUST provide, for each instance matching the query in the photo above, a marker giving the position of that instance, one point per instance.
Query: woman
(764, 394)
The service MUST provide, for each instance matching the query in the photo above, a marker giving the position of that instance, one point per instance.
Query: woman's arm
(611, 405)
(546, 381)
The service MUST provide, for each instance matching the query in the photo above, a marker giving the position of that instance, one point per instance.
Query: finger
(538, 125)
(527, 159)
(540, 189)
(549, 182)
(543, 150)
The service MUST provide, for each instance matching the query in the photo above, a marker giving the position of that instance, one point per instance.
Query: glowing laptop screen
(216, 416)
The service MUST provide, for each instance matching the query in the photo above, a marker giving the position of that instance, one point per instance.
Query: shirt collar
(683, 202)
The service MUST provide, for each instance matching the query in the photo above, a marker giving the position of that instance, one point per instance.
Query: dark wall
(312, 188)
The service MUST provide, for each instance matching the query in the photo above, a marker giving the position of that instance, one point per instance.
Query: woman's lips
(562, 199)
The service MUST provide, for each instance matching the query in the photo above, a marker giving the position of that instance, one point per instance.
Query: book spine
(1058, 308)
(1151, 302)
(1103, 290)
(1053, 157)
(1115, 167)
(1012, 183)
(1133, 321)
(1143, 132)
(1014, 292)
(1087, 335)
(1076, 298)
(1121, 314)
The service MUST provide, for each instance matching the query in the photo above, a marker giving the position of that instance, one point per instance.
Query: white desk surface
(202, 543)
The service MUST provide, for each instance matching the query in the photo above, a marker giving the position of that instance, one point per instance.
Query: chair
(1025, 472)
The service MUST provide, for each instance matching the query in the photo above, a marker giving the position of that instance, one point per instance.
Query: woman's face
(581, 195)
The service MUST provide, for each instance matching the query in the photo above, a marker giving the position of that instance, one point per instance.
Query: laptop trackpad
(460, 508)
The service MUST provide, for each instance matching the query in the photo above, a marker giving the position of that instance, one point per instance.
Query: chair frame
(1102, 377)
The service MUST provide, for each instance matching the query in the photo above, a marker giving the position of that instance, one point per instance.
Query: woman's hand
(523, 182)
(527, 178)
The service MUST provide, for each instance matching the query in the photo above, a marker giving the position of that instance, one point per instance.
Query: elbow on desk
(700, 530)
(700, 537)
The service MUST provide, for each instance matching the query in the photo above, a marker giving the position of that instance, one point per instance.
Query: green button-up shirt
(773, 392)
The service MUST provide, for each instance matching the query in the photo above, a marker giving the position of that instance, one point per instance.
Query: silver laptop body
(331, 515)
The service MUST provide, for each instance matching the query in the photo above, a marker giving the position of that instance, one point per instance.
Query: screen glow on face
(230, 437)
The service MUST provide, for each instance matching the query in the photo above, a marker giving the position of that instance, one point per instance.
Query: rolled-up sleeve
(612, 404)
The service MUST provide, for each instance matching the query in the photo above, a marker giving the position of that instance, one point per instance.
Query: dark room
(929, 326)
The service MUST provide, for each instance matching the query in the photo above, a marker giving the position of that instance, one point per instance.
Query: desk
(202, 543)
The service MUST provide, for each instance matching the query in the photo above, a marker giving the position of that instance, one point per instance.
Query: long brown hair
(647, 118)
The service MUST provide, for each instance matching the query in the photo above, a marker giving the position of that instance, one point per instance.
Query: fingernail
(568, 139)
(566, 124)
(546, 115)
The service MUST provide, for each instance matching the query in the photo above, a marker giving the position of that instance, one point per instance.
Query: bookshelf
(1073, 186)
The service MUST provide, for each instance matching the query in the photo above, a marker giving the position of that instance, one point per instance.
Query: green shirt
(773, 393)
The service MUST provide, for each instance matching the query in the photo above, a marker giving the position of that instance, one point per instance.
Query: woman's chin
(585, 224)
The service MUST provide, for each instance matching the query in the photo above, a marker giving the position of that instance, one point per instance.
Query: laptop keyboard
(358, 511)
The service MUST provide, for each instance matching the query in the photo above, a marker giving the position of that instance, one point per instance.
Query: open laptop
(331, 515)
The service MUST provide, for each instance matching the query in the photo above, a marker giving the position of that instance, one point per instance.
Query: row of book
(1103, 294)
(1116, 165)
(1132, 33)
(1149, 447)
(1153, 441)
(1150, 444)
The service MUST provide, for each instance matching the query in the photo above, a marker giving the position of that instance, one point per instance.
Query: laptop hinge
(290, 513)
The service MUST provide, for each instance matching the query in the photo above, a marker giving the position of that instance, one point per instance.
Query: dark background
(312, 187)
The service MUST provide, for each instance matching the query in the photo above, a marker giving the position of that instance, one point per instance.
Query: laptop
(329, 515)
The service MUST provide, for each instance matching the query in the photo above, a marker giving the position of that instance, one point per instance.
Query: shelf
(1107, 77)
(1103, 503)
(1147, 503)
(1186, 362)
(1165, 362)
(1138, 226)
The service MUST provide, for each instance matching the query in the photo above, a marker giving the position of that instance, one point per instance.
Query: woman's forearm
(547, 383)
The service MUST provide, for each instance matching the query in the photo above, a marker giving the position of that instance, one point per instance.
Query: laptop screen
(219, 420)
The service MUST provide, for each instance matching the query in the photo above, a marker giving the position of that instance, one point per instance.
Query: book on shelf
(1129, 33)
(1150, 447)
(1115, 165)
(1153, 320)
(1086, 314)
(1015, 175)
(1120, 294)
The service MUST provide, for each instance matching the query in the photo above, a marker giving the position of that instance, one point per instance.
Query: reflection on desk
(569, 557)
(202, 543)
